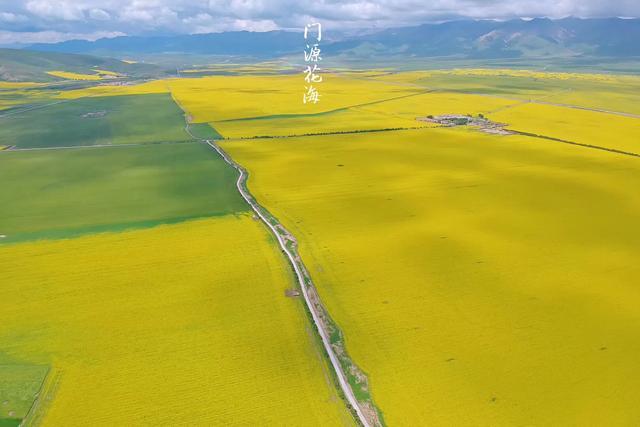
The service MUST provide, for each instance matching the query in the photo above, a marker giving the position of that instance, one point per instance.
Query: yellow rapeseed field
(601, 91)
(19, 85)
(212, 99)
(74, 76)
(439, 103)
(154, 86)
(575, 125)
(626, 99)
(506, 72)
(599, 77)
(272, 105)
(181, 324)
(401, 112)
(353, 119)
(4, 104)
(14, 97)
(479, 279)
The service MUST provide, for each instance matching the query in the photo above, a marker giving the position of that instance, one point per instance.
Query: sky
(31, 21)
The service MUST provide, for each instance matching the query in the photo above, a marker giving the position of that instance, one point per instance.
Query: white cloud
(12, 17)
(149, 15)
(255, 25)
(197, 16)
(51, 9)
(207, 23)
(99, 15)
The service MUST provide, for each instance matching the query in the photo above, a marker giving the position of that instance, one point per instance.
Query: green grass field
(60, 193)
(32, 66)
(19, 386)
(126, 119)
(203, 131)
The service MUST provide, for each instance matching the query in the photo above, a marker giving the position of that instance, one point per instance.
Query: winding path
(296, 263)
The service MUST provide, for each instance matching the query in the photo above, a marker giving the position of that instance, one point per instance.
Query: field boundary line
(34, 107)
(46, 394)
(323, 113)
(595, 110)
(341, 132)
(579, 144)
(71, 147)
(306, 287)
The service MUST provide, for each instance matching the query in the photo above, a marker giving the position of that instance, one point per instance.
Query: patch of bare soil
(292, 293)
(94, 115)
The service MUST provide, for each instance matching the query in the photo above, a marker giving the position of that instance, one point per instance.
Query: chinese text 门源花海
(312, 58)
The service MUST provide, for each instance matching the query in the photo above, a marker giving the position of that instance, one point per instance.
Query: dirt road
(303, 280)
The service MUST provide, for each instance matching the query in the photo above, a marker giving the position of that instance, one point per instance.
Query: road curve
(342, 379)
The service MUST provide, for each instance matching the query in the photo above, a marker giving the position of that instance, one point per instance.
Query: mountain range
(605, 44)
(518, 38)
(27, 65)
